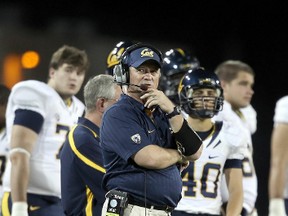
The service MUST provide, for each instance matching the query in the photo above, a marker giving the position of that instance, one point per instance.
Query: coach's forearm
(188, 141)
(156, 157)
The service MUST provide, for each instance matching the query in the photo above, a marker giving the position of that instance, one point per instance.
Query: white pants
(133, 210)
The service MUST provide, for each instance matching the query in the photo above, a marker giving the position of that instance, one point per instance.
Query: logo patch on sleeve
(136, 138)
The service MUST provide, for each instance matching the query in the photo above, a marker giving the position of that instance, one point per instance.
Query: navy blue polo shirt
(82, 170)
(125, 130)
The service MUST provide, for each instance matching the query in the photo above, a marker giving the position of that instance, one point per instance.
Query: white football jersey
(202, 179)
(3, 158)
(281, 110)
(58, 119)
(281, 116)
(250, 182)
(250, 115)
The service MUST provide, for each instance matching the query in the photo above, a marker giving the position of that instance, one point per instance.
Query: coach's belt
(157, 207)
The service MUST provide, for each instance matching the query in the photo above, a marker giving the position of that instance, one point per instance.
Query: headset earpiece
(119, 76)
(121, 71)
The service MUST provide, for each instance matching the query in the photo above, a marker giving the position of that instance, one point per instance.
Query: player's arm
(27, 125)
(234, 184)
(278, 167)
(22, 142)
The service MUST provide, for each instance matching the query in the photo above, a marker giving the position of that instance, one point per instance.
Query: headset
(121, 71)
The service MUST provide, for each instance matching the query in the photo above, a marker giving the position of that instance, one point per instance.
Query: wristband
(176, 111)
(19, 209)
(188, 141)
(277, 207)
(181, 154)
(20, 150)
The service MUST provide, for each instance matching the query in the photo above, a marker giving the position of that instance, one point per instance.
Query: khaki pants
(133, 210)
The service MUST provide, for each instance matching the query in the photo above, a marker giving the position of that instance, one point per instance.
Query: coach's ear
(100, 105)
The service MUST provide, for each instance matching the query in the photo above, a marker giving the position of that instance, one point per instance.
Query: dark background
(254, 32)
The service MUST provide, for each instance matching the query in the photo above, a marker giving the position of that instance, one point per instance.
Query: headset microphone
(143, 87)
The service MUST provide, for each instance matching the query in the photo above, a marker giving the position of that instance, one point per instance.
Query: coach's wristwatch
(176, 111)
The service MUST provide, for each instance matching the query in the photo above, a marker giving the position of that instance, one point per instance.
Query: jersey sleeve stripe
(81, 156)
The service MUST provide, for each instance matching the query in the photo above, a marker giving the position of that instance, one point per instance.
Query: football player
(176, 62)
(38, 117)
(237, 80)
(201, 97)
(4, 94)
(115, 54)
(278, 184)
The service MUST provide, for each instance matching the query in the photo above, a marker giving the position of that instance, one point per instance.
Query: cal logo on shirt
(136, 138)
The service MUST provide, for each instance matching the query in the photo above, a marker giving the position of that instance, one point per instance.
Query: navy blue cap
(141, 55)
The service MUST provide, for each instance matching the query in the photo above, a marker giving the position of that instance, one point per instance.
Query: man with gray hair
(81, 157)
